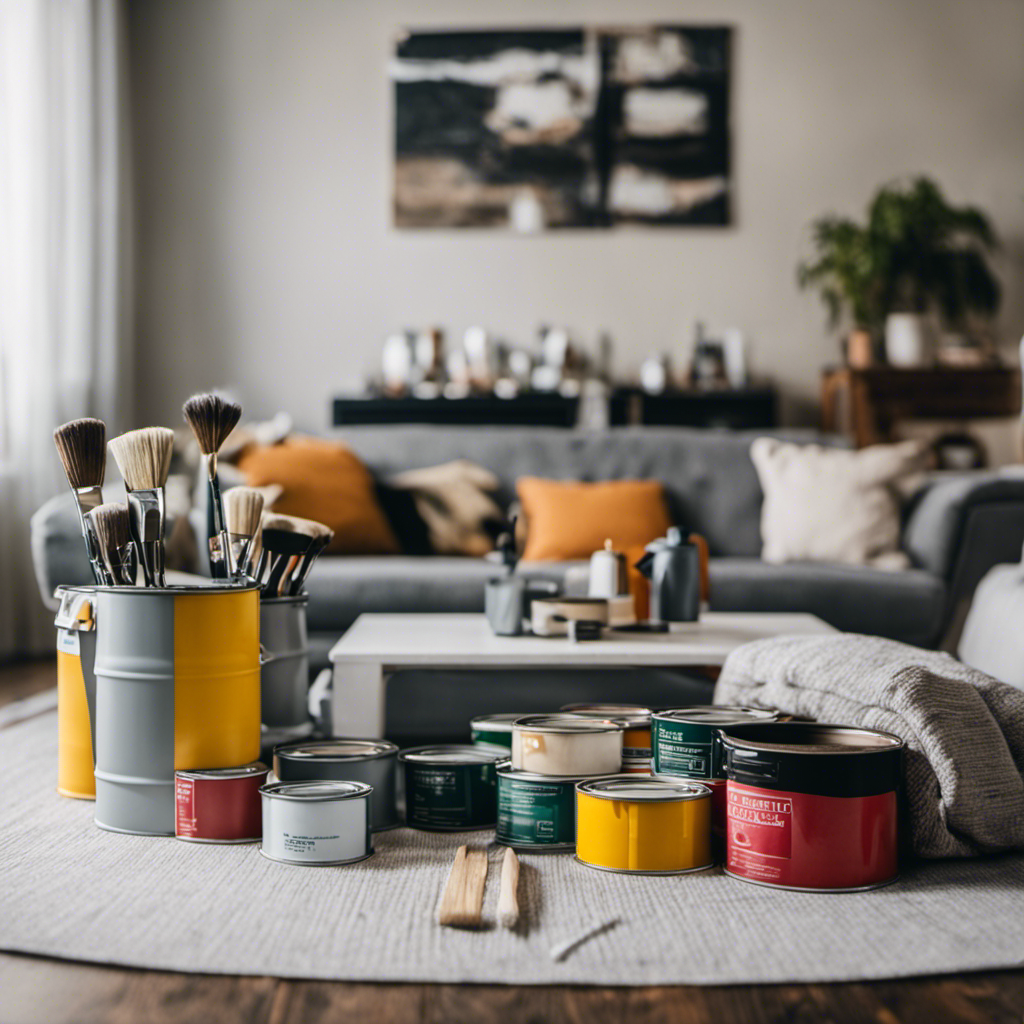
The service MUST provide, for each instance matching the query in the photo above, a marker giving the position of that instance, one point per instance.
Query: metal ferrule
(147, 521)
(241, 545)
(88, 498)
(121, 564)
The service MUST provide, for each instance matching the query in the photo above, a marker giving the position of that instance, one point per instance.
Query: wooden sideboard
(868, 403)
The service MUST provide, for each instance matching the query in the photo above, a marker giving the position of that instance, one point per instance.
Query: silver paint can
(316, 823)
(285, 670)
(346, 760)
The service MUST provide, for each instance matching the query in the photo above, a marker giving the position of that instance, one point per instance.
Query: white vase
(908, 342)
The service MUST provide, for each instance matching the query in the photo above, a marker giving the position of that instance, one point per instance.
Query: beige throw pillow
(832, 504)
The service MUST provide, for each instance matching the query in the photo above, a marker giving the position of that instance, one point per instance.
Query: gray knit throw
(964, 730)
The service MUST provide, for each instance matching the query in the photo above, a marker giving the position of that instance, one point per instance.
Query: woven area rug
(69, 890)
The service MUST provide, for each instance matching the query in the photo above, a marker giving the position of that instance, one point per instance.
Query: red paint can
(219, 805)
(812, 806)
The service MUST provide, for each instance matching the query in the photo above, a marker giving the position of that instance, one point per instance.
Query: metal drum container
(636, 736)
(451, 788)
(346, 760)
(285, 670)
(643, 826)
(684, 741)
(76, 692)
(812, 806)
(566, 744)
(536, 813)
(495, 730)
(219, 805)
(177, 688)
(316, 823)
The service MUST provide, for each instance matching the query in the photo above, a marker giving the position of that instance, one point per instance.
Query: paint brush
(144, 459)
(111, 523)
(82, 447)
(322, 537)
(282, 542)
(243, 509)
(212, 418)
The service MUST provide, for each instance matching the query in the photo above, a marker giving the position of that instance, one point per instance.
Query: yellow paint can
(643, 825)
(76, 692)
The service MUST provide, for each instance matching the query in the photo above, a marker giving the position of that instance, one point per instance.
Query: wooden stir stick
(508, 898)
(463, 899)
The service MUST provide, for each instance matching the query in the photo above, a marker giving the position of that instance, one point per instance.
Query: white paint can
(567, 745)
(316, 823)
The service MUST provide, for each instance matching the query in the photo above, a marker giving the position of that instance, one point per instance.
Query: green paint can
(683, 740)
(494, 729)
(451, 788)
(536, 812)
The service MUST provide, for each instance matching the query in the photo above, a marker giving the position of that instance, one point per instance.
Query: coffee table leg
(357, 701)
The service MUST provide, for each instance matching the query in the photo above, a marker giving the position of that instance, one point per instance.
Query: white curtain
(64, 298)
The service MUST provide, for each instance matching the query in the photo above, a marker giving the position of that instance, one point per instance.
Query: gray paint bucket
(285, 670)
(177, 687)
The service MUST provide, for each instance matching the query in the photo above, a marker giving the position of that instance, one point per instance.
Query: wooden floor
(43, 991)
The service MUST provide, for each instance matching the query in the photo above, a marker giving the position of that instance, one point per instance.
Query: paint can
(285, 670)
(684, 741)
(812, 806)
(76, 692)
(643, 826)
(219, 805)
(177, 688)
(452, 787)
(494, 730)
(567, 745)
(316, 823)
(346, 760)
(636, 766)
(536, 813)
(636, 736)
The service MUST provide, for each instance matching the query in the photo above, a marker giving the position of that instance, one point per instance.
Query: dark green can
(493, 729)
(683, 739)
(451, 788)
(536, 812)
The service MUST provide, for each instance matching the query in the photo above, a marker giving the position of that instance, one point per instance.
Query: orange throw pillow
(568, 520)
(325, 481)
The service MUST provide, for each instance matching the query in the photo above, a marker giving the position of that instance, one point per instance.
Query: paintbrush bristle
(143, 456)
(296, 524)
(211, 418)
(82, 447)
(111, 524)
(243, 507)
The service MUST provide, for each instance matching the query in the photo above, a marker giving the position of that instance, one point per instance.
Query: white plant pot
(908, 341)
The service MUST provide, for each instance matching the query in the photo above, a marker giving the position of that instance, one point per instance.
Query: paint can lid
(634, 715)
(495, 723)
(810, 738)
(455, 754)
(506, 771)
(640, 788)
(717, 714)
(563, 722)
(314, 791)
(240, 772)
(337, 749)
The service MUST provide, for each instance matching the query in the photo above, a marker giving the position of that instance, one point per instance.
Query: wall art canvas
(562, 128)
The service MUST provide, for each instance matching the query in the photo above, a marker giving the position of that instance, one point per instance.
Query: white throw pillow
(833, 504)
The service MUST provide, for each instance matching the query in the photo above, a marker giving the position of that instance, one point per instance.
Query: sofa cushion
(907, 605)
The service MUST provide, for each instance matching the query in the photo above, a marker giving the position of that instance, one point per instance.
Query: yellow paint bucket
(642, 825)
(76, 692)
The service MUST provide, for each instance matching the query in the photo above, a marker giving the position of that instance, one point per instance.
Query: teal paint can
(495, 730)
(452, 787)
(684, 740)
(536, 813)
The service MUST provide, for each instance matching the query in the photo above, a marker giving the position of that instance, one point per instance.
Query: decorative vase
(908, 341)
(860, 349)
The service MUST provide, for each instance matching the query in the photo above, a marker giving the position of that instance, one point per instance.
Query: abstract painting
(555, 128)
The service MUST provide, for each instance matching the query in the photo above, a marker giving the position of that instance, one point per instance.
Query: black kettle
(676, 567)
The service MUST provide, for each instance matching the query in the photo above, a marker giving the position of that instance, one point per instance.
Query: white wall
(263, 152)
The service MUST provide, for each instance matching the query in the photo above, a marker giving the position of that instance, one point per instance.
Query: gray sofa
(956, 528)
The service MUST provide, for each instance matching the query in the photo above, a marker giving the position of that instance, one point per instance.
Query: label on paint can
(533, 813)
(69, 642)
(760, 821)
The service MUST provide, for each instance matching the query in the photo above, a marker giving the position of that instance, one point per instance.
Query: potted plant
(848, 268)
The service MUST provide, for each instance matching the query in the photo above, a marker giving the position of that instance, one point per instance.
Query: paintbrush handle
(508, 893)
(463, 898)
(220, 546)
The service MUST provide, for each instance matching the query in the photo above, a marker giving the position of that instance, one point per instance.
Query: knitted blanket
(964, 730)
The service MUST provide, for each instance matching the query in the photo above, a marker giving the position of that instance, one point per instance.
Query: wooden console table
(868, 403)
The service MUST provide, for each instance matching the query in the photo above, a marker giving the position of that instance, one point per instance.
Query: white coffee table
(378, 645)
